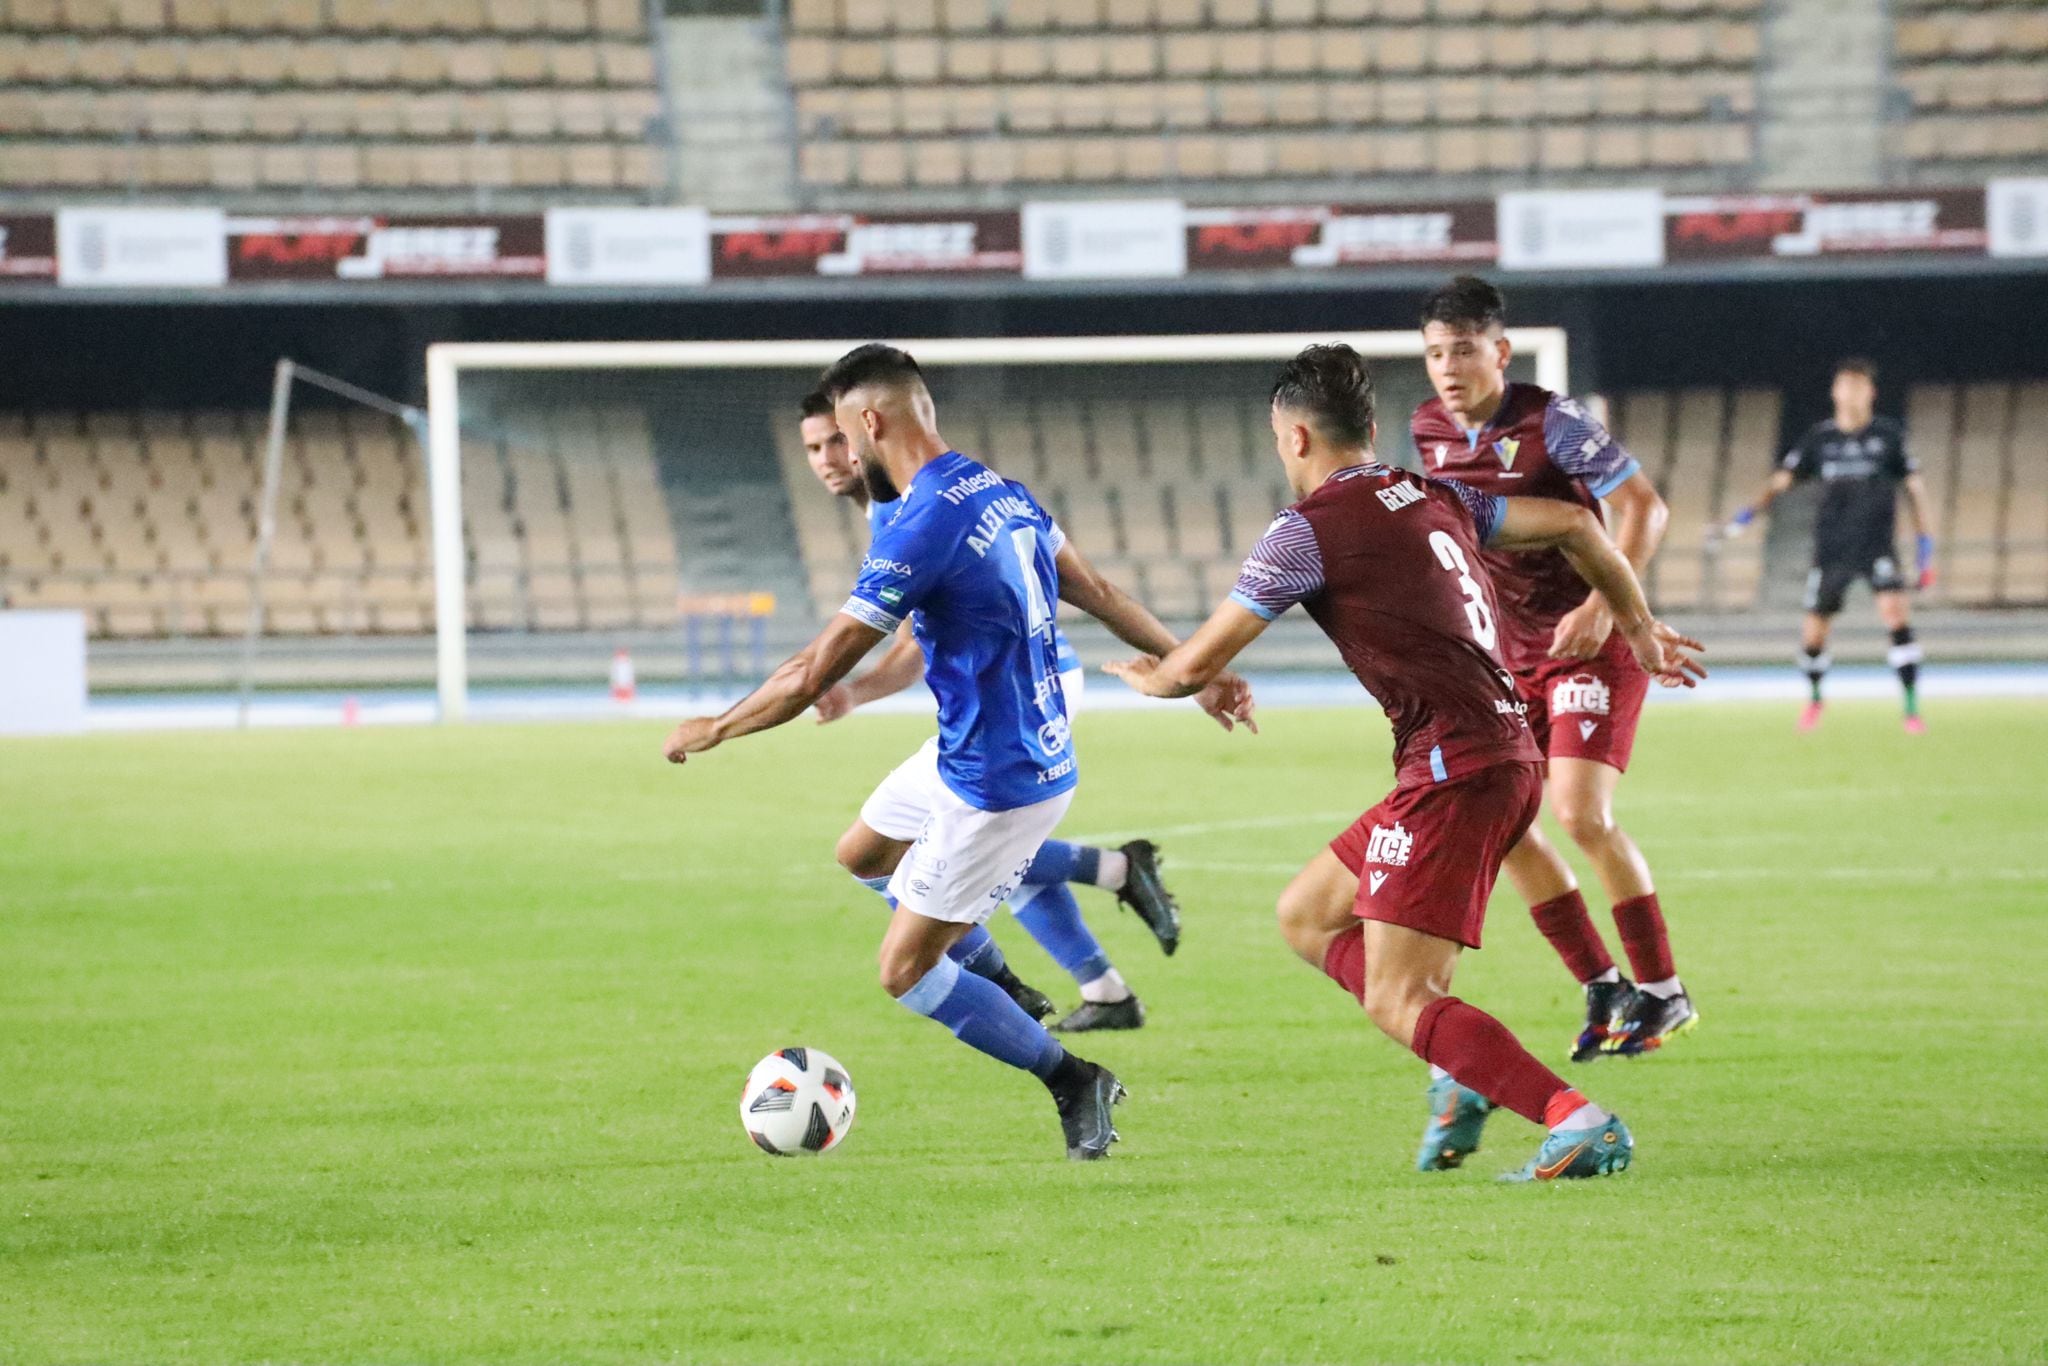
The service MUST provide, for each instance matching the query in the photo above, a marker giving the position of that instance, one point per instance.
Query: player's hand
(1737, 524)
(836, 702)
(1663, 653)
(1228, 700)
(1923, 556)
(1141, 673)
(693, 736)
(1583, 630)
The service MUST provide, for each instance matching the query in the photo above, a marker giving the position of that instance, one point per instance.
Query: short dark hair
(1467, 303)
(816, 404)
(874, 363)
(1857, 365)
(1333, 386)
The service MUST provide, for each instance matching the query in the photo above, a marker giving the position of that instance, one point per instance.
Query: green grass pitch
(425, 1046)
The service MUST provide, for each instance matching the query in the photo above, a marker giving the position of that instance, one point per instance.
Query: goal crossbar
(447, 360)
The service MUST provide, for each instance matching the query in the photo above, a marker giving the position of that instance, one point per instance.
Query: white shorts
(897, 808)
(967, 862)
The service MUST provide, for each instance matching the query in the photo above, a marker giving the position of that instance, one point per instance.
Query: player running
(975, 564)
(1388, 564)
(1581, 682)
(890, 818)
(1861, 461)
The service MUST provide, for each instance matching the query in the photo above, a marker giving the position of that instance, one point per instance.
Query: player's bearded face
(881, 487)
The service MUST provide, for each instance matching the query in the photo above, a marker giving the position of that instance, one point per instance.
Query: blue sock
(1052, 917)
(1059, 861)
(982, 1016)
(976, 950)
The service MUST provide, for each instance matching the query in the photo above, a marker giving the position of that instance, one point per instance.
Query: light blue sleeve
(1584, 449)
(1488, 510)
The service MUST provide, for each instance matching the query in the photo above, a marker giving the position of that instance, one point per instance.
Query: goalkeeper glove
(1923, 557)
(1739, 522)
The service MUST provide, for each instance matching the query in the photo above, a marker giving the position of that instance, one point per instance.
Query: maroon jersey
(1387, 563)
(1538, 445)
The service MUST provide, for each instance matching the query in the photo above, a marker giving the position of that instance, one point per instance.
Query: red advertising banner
(1878, 222)
(28, 246)
(1331, 236)
(847, 244)
(388, 247)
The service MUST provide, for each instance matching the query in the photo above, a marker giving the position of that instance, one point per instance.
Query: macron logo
(1376, 879)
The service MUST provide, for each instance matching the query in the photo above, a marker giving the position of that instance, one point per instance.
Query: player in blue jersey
(890, 818)
(975, 564)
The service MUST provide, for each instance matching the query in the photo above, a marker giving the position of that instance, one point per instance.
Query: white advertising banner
(2016, 216)
(1134, 239)
(1581, 229)
(139, 248)
(628, 246)
(42, 673)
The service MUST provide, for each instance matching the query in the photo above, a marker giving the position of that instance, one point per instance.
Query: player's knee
(1394, 1004)
(900, 971)
(859, 854)
(1588, 823)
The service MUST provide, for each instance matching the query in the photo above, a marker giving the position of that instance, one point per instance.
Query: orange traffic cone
(622, 676)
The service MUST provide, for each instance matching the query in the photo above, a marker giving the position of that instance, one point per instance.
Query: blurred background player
(1860, 458)
(1387, 563)
(1044, 904)
(1581, 682)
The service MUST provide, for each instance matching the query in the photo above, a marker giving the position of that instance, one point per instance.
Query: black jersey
(1860, 474)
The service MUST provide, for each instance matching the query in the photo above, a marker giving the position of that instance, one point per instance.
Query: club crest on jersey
(1581, 693)
(1391, 845)
(1507, 448)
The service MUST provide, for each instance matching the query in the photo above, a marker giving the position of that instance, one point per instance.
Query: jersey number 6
(1451, 556)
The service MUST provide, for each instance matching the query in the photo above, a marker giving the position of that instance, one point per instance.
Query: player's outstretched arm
(1199, 662)
(1222, 694)
(1537, 523)
(1780, 481)
(901, 665)
(798, 683)
(1923, 530)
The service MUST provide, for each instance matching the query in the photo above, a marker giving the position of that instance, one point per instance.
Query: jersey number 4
(1451, 556)
(1038, 611)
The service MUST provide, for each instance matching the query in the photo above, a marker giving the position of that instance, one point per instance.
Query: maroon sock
(1344, 961)
(1566, 924)
(1641, 922)
(1479, 1051)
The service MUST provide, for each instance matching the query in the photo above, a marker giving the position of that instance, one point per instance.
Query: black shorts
(1829, 580)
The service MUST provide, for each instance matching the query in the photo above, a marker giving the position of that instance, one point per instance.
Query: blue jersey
(968, 557)
(879, 516)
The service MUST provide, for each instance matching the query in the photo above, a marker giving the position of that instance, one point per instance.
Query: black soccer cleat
(1145, 892)
(1029, 999)
(1648, 1022)
(1605, 1002)
(1086, 1094)
(1092, 1015)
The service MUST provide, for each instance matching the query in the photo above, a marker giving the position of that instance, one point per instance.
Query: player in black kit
(1861, 461)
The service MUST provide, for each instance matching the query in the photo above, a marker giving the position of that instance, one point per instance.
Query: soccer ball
(798, 1102)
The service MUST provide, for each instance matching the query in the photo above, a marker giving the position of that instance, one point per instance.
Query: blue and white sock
(977, 950)
(982, 1016)
(1052, 916)
(1059, 861)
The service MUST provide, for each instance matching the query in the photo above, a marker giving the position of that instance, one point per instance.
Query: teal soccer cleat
(1571, 1154)
(1456, 1115)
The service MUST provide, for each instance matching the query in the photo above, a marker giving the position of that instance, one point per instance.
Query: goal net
(654, 496)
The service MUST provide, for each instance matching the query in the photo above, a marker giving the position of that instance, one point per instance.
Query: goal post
(453, 368)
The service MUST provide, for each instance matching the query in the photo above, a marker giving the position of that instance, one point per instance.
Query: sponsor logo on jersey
(963, 489)
(870, 565)
(1390, 844)
(1507, 448)
(1581, 693)
(1398, 496)
(1057, 771)
(1053, 735)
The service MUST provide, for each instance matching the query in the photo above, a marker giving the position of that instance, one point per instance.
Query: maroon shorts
(1587, 708)
(1427, 857)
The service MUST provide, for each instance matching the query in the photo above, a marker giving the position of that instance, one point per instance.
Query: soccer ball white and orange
(798, 1102)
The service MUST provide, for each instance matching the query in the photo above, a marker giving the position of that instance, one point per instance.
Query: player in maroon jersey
(1388, 564)
(1583, 687)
